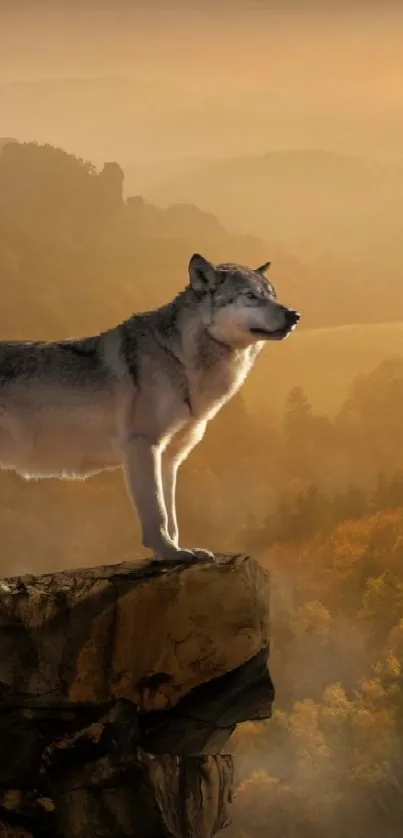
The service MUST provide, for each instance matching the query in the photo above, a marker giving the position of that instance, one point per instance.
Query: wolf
(139, 396)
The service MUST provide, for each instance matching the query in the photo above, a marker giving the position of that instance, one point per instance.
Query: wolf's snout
(292, 317)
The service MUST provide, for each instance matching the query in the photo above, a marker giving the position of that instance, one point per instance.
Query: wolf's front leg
(142, 469)
(178, 449)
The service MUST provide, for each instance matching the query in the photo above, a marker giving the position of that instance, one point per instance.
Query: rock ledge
(121, 685)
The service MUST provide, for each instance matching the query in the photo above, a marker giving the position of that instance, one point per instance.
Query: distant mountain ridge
(320, 200)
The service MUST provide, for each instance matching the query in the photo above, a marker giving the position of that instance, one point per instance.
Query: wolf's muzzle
(292, 318)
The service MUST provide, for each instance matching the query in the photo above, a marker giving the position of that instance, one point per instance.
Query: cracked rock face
(126, 678)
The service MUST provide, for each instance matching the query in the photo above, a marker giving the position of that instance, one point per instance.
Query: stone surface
(119, 688)
(146, 632)
(139, 796)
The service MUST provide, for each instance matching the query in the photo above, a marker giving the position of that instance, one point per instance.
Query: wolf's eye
(250, 295)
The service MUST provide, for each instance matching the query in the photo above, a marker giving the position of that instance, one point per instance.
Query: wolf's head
(239, 305)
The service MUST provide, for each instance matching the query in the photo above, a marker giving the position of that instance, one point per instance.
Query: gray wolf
(139, 395)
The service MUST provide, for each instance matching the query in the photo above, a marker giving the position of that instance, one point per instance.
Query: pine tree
(297, 415)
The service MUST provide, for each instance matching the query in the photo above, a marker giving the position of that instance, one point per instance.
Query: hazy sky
(189, 78)
(51, 37)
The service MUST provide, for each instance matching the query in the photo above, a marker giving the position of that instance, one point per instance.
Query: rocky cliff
(119, 688)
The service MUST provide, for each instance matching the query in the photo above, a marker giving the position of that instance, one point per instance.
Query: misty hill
(323, 362)
(313, 202)
(75, 256)
(81, 255)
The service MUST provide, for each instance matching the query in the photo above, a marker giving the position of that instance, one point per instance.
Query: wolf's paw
(182, 556)
(203, 555)
(169, 553)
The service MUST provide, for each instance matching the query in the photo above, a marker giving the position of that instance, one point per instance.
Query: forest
(318, 494)
(330, 760)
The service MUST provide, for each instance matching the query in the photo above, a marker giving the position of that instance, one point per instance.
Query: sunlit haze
(133, 135)
(119, 81)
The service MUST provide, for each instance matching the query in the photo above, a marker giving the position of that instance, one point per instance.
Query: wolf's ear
(263, 268)
(202, 274)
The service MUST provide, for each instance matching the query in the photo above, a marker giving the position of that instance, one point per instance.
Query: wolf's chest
(213, 387)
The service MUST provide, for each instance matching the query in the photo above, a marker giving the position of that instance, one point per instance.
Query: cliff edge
(119, 688)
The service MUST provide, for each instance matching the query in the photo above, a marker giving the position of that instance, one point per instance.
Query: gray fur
(139, 396)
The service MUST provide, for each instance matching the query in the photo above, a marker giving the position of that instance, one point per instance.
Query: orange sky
(202, 80)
